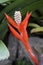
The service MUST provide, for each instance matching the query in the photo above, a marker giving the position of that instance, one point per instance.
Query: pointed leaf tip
(6, 15)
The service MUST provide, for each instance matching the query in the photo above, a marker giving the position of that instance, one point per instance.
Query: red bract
(23, 36)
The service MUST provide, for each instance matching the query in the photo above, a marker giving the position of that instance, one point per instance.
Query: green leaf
(32, 7)
(1, 1)
(4, 53)
(3, 30)
(38, 29)
(33, 25)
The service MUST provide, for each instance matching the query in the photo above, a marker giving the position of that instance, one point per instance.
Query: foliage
(23, 62)
(37, 28)
(1, 1)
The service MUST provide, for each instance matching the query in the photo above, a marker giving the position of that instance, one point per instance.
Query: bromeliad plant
(9, 6)
(22, 35)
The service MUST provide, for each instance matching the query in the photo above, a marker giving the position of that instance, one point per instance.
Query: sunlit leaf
(38, 29)
(33, 25)
(1, 1)
(4, 53)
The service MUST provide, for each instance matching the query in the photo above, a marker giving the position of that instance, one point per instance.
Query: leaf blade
(4, 53)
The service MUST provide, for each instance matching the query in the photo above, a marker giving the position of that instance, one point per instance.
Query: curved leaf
(35, 30)
(1, 1)
(33, 25)
(4, 53)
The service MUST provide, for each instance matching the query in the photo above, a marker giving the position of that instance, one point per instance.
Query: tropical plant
(10, 6)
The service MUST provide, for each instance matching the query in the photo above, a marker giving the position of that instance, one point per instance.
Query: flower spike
(23, 36)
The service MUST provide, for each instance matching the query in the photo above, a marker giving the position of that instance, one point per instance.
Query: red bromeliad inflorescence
(23, 36)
